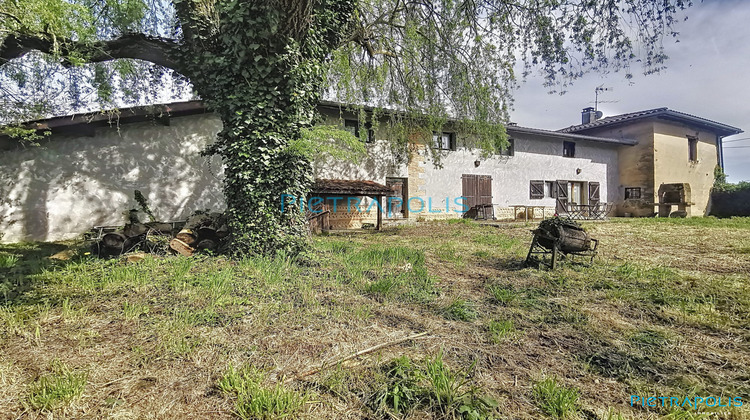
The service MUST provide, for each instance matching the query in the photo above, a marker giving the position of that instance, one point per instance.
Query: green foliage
(557, 400)
(143, 204)
(8, 260)
(400, 392)
(503, 295)
(256, 400)
(329, 142)
(460, 310)
(453, 394)
(432, 385)
(500, 330)
(57, 388)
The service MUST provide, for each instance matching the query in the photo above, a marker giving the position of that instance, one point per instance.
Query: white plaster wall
(535, 158)
(69, 184)
(376, 166)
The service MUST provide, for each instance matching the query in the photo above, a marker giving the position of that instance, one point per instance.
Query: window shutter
(536, 190)
(561, 195)
(594, 193)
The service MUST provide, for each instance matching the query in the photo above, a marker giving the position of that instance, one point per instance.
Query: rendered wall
(69, 184)
(535, 158)
(673, 166)
(661, 157)
(636, 167)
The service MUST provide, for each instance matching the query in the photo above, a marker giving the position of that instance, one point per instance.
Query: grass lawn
(663, 312)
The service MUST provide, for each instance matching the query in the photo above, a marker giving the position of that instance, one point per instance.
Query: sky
(708, 75)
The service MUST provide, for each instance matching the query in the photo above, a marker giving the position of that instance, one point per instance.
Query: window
(536, 190)
(693, 149)
(632, 193)
(569, 149)
(444, 141)
(509, 150)
(352, 126)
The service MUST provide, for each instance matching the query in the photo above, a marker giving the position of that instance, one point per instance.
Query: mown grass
(663, 310)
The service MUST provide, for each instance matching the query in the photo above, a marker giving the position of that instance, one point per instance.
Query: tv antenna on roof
(598, 89)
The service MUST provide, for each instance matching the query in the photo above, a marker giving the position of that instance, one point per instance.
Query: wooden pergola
(325, 188)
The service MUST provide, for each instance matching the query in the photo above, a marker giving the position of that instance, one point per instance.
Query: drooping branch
(159, 51)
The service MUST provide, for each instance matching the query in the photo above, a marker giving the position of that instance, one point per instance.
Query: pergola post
(380, 212)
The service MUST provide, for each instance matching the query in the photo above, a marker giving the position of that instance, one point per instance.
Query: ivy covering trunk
(262, 73)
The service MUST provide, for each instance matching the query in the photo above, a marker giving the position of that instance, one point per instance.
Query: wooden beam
(380, 212)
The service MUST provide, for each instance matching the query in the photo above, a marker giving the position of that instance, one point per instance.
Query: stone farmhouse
(85, 172)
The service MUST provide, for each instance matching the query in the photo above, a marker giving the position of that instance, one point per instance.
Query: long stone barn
(85, 172)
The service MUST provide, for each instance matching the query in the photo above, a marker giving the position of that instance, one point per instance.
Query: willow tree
(262, 65)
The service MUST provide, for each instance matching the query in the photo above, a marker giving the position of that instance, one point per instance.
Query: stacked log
(202, 232)
(134, 236)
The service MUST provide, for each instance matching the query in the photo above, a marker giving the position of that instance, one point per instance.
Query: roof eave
(572, 136)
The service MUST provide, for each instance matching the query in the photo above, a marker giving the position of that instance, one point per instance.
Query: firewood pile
(201, 232)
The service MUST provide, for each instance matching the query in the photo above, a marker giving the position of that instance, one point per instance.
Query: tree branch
(159, 51)
(12, 17)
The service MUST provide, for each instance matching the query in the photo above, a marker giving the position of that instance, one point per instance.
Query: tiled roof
(349, 187)
(665, 113)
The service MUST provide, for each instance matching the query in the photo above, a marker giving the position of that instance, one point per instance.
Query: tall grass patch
(430, 385)
(254, 399)
(56, 389)
(555, 399)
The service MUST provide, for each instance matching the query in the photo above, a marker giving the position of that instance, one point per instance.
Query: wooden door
(477, 189)
(469, 190)
(484, 190)
(396, 208)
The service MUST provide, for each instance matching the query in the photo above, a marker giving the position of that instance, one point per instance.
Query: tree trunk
(263, 78)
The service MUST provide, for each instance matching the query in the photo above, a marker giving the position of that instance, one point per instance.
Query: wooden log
(134, 229)
(206, 232)
(114, 241)
(207, 245)
(188, 237)
(181, 247)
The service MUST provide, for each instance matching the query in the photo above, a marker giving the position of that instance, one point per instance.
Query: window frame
(569, 146)
(438, 145)
(510, 150)
(692, 149)
(536, 189)
(349, 123)
(630, 190)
